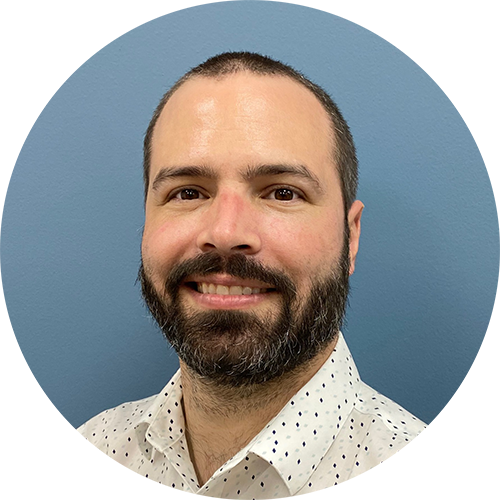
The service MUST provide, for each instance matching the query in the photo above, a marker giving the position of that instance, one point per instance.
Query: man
(252, 230)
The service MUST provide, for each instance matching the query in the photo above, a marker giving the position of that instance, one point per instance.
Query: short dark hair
(227, 63)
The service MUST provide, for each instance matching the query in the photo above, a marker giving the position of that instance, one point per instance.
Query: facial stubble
(240, 348)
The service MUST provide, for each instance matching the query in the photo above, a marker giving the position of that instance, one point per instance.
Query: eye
(188, 194)
(284, 194)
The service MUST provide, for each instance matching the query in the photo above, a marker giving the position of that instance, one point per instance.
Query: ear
(354, 222)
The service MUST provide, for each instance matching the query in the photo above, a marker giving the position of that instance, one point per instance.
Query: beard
(241, 348)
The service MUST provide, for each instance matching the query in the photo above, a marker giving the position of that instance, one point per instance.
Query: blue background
(427, 271)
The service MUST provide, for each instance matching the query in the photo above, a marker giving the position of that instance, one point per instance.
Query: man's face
(244, 230)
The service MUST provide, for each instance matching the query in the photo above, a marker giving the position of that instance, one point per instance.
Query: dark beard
(236, 348)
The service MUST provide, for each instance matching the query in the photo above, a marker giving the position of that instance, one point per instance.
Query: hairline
(333, 135)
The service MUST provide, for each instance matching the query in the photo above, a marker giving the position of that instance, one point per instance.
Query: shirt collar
(162, 424)
(294, 442)
(161, 429)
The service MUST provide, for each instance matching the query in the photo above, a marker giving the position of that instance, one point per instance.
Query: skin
(232, 129)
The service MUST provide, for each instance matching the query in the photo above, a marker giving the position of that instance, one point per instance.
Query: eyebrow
(187, 171)
(283, 169)
(251, 172)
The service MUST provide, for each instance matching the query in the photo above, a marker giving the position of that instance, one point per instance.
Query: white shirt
(333, 429)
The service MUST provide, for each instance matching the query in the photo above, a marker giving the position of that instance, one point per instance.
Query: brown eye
(189, 194)
(284, 194)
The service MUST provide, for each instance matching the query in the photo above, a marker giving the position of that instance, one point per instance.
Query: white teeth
(222, 290)
(227, 290)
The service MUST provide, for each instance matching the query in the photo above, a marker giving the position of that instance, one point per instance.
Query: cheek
(163, 244)
(305, 248)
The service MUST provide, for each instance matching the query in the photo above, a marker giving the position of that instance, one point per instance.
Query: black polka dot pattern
(333, 429)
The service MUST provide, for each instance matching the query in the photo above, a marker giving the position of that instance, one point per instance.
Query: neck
(221, 420)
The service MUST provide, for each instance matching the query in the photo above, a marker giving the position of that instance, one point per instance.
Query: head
(252, 227)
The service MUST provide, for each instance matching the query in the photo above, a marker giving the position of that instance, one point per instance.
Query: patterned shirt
(333, 429)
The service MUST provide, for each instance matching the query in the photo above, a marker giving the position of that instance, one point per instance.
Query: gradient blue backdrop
(427, 271)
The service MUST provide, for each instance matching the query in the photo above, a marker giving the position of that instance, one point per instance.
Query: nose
(230, 225)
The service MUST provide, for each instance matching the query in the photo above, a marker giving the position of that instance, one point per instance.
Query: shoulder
(378, 428)
(393, 417)
(113, 421)
(375, 429)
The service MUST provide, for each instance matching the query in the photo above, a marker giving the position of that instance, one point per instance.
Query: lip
(213, 301)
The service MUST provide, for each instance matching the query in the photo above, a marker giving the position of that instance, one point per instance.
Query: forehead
(243, 119)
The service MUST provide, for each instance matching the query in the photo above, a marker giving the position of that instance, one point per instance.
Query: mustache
(235, 265)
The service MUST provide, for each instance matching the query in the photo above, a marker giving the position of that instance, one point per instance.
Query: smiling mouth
(213, 289)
